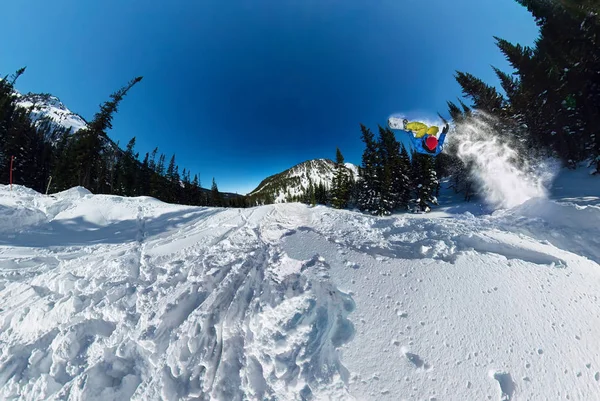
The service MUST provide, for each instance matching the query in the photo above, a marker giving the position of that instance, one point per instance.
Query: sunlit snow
(105, 297)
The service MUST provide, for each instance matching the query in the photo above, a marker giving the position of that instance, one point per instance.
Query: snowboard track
(142, 312)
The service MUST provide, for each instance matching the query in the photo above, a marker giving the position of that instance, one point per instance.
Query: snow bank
(18, 208)
(105, 297)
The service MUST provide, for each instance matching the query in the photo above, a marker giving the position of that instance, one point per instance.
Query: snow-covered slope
(104, 297)
(295, 181)
(46, 106)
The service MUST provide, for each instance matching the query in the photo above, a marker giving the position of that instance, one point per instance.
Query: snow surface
(111, 298)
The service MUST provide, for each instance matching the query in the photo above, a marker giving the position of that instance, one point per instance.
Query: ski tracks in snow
(144, 300)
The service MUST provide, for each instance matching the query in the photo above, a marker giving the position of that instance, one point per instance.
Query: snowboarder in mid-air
(423, 137)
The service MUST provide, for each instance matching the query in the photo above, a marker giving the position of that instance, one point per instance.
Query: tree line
(550, 107)
(389, 180)
(89, 158)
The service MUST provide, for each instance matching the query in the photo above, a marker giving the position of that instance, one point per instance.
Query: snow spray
(504, 180)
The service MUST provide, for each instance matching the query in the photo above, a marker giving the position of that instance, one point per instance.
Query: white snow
(112, 298)
(354, 169)
(505, 181)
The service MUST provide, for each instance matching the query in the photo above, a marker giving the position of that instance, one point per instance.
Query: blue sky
(240, 90)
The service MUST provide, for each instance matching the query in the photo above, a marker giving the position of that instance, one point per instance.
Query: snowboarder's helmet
(431, 142)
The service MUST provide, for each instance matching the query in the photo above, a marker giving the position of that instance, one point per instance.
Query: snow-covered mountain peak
(295, 181)
(44, 106)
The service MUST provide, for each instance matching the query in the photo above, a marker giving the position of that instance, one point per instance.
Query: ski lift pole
(48, 187)
(12, 158)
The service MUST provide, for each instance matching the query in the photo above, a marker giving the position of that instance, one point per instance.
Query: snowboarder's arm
(441, 140)
(443, 135)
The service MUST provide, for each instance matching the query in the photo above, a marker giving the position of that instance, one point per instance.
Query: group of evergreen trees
(22, 145)
(343, 183)
(391, 180)
(315, 194)
(552, 99)
(89, 158)
(550, 106)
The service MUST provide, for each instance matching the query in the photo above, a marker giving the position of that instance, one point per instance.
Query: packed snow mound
(19, 208)
(105, 297)
(72, 193)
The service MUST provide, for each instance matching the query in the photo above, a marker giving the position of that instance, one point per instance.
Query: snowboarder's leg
(433, 130)
(419, 129)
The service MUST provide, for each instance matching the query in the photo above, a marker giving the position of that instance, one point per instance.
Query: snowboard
(396, 123)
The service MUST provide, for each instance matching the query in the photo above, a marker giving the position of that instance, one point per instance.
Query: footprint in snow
(415, 359)
(507, 386)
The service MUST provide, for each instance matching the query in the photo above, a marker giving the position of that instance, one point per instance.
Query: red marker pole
(11, 167)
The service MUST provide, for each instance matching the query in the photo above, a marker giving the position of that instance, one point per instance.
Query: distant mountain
(295, 181)
(46, 107)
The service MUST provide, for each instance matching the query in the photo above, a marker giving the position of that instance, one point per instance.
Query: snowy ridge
(296, 180)
(46, 106)
(104, 297)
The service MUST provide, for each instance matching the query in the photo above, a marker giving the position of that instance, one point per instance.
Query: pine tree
(424, 181)
(172, 176)
(195, 197)
(484, 96)
(340, 192)
(171, 169)
(395, 173)
(215, 196)
(21, 141)
(404, 179)
(370, 186)
(127, 172)
(186, 190)
(554, 94)
(145, 176)
(158, 181)
(152, 160)
(321, 195)
(87, 166)
(309, 195)
(455, 112)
